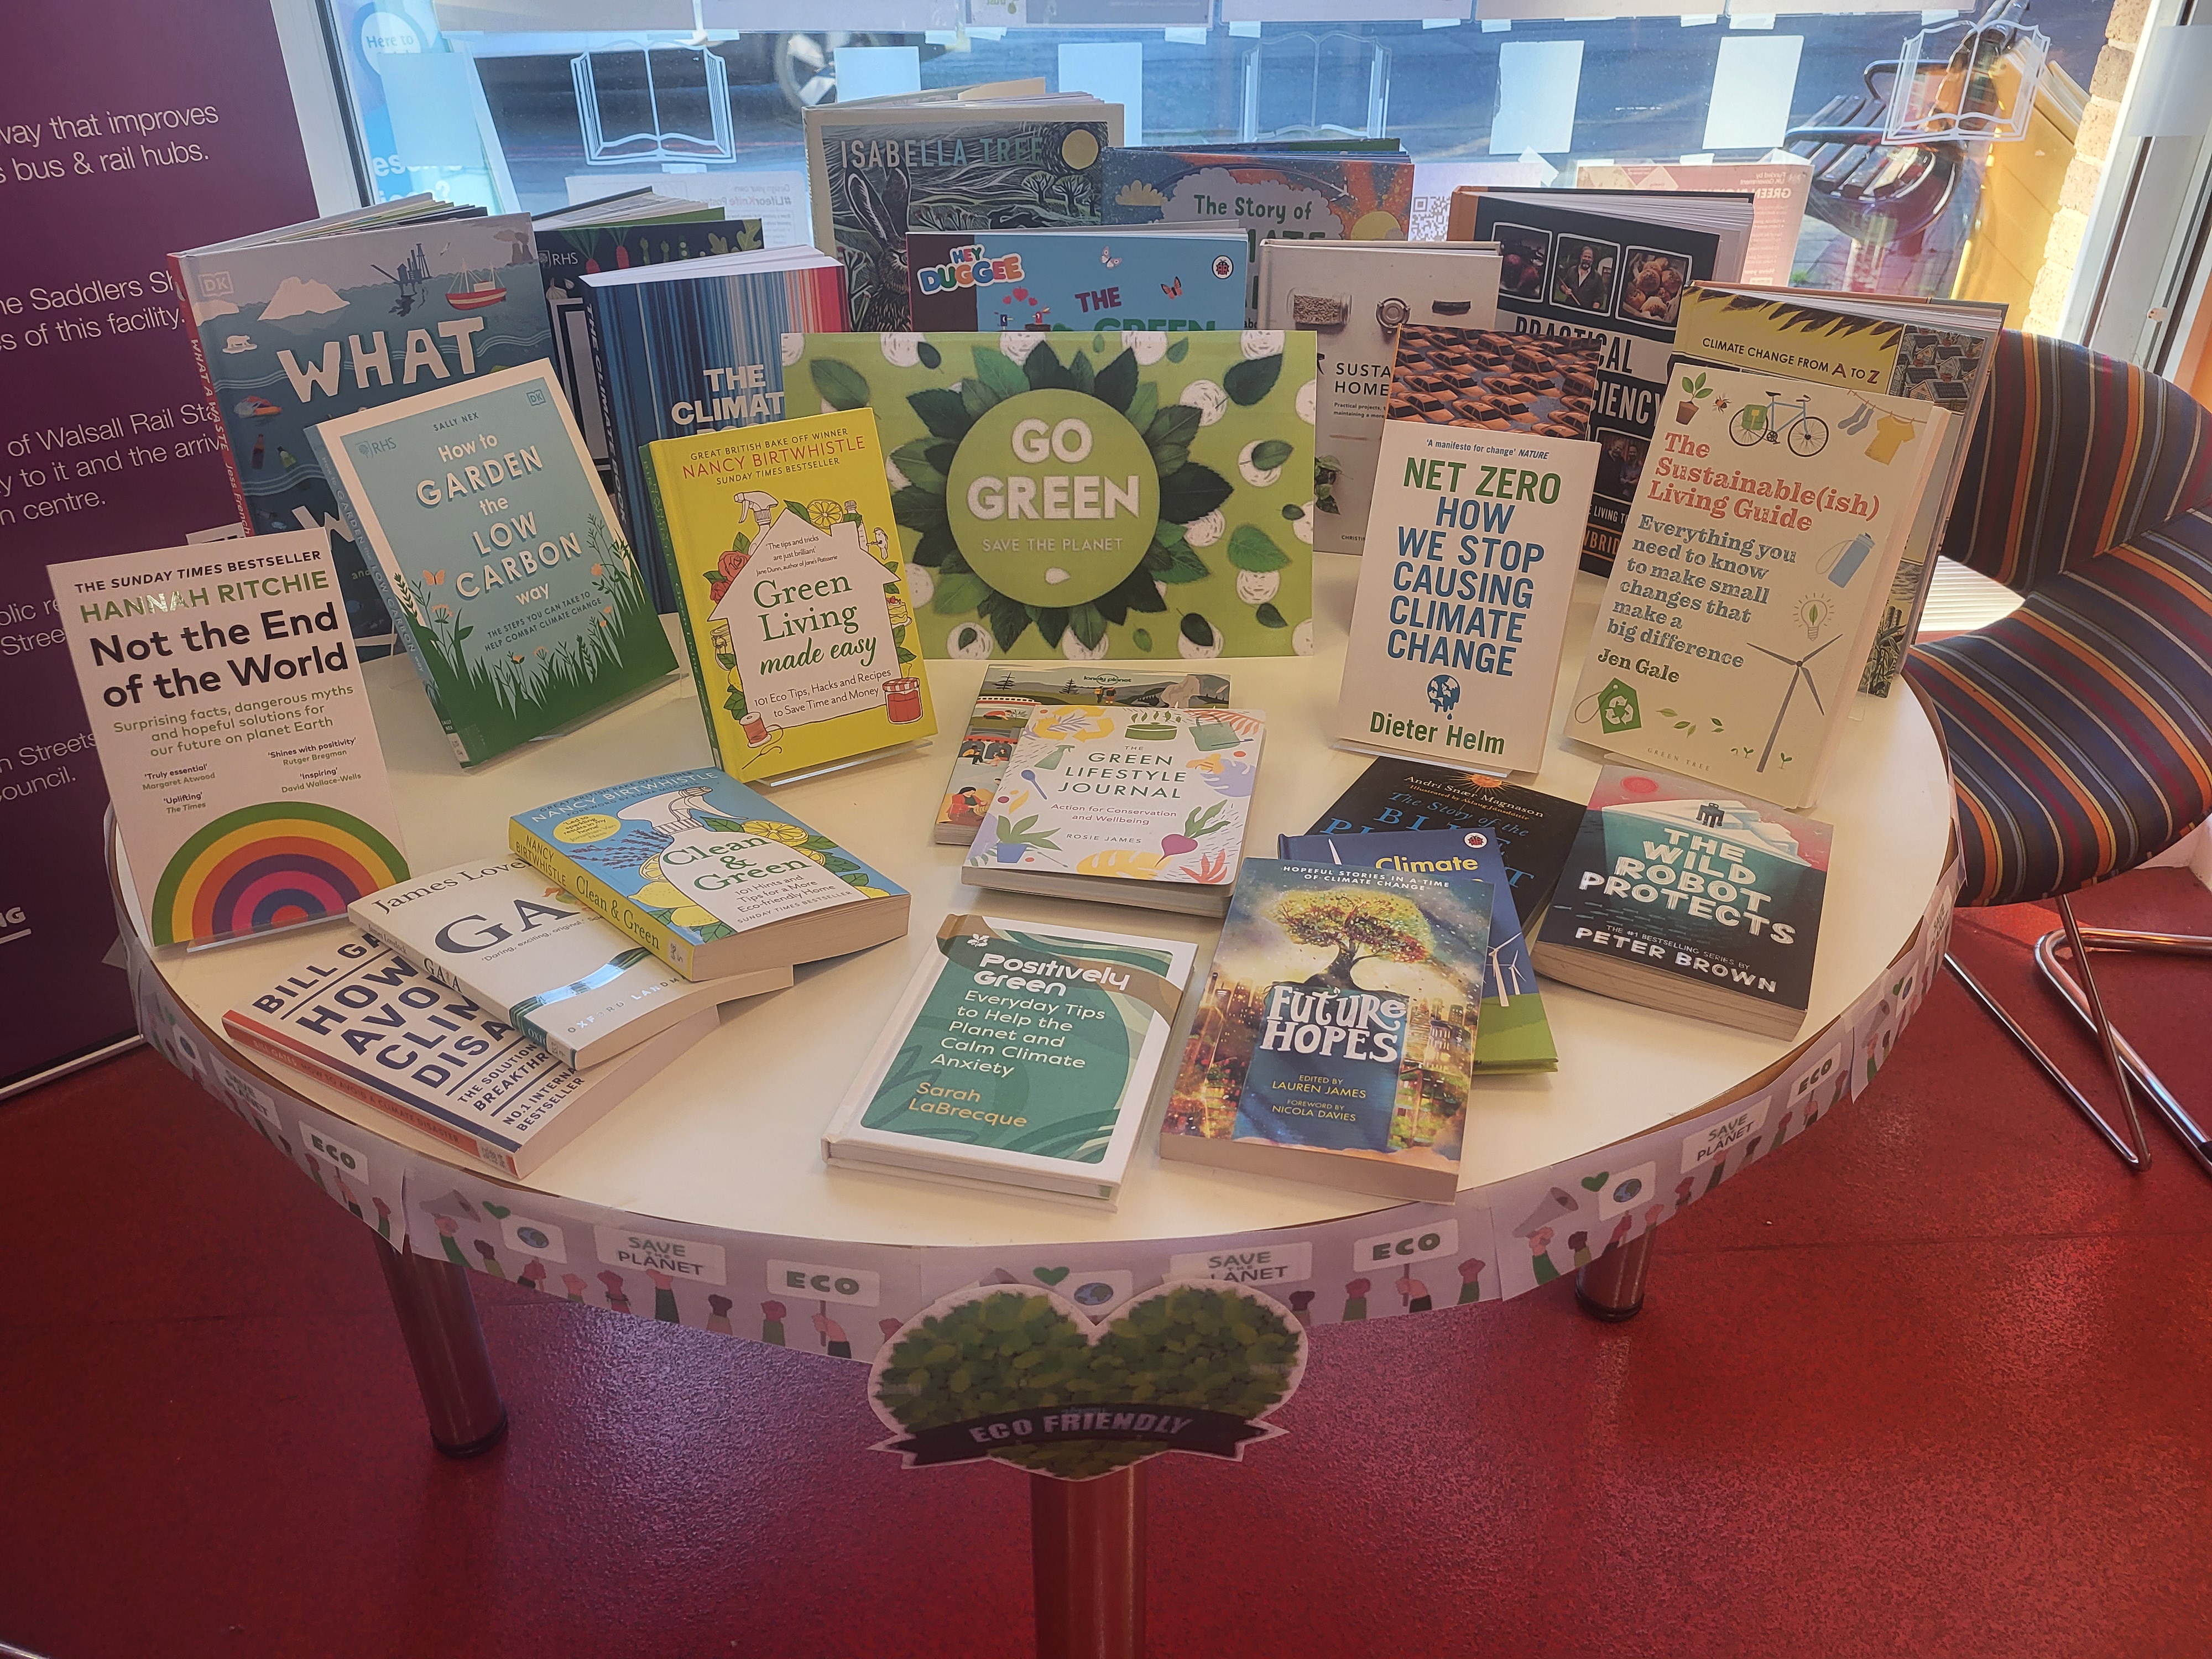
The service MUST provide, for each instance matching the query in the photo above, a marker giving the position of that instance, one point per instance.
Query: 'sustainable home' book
(792, 591)
(1610, 266)
(1356, 299)
(1092, 495)
(1778, 183)
(1143, 806)
(713, 878)
(221, 690)
(315, 321)
(1933, 351)
(1534, 830)
(1696, 902)
(698, 346)
(1755, 568)
(1473, 540)
(878, 170)
(512, 942)
(1159, 279)
(497, 551)
(356, 1015)
(1334, 1040)
(1002, 711)
(1018, 1056)
(1516, 1035)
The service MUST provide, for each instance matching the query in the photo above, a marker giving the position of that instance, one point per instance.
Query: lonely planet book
(1018, 1056)
(507, 939)
(1680, 897)
(1333, 1040)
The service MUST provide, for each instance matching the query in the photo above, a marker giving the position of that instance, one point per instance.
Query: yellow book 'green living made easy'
(785, 562)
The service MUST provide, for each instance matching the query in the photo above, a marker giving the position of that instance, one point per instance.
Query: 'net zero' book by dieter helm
(236, 740)
(487, 530)
(1018, 1057)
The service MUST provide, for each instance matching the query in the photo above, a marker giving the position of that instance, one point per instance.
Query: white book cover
(1753, 569)
(506, 938)
(234, 733)
(355, 1016)
(1133, 794)
(1018, 1055)
(1356, 297)
(1462, 602)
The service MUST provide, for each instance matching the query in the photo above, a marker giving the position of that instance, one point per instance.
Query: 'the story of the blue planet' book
(497, 550)
(1178, 280)
(292, 333)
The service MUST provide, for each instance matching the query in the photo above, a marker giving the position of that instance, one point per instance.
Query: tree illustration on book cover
(1021, 1375)
(1119, 494)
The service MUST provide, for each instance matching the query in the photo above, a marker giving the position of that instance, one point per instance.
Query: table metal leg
(1612, 1288)
(1087, 1556)
(438, 1317)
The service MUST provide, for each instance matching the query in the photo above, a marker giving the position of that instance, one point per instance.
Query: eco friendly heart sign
(1021, 1375)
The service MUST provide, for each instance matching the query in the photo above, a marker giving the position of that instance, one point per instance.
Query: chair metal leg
(438, 1317)
(1087, 1558)
(2192, 1134)
(1612, 1288)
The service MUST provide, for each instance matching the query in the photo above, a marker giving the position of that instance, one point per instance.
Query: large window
(538, 103)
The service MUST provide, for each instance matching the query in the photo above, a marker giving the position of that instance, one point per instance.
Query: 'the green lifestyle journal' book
(487, 530)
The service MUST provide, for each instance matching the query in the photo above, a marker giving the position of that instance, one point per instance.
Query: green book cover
(1091, 495)
(495, 543)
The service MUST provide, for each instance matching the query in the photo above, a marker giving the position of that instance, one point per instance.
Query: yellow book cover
(793, 593)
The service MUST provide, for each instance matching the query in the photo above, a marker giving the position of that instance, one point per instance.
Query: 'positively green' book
(1094, 494)
(495, 548)
(1017, 1057)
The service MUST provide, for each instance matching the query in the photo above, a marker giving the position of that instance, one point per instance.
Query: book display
(494, 544)
(1778, 183)
(1533, 829)
(1135, 280)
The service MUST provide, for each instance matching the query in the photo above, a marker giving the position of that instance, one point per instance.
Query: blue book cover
(290, 334)
(1006, 281)
(516, 595)
(695, 347)
(1515, 1034)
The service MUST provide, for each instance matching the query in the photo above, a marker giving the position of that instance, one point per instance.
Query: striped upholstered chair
(2080, 727)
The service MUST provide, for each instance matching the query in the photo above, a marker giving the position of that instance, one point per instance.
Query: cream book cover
(1757, 556)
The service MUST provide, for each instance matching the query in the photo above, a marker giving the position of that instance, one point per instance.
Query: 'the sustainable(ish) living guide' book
(803, 642)
(489, 532)
(1334, 1039)
(1018, 1056)
(240, 753)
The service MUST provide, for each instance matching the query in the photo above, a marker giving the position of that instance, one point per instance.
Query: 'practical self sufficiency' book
(1018, 1056)
(511, 940)
(785, 558)
(487, 530)
(712, 878)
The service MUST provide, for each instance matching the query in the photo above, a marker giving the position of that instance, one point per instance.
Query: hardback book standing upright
(1477, 518)
(313, 321)
(1165, 279)
(1333, 1040)
(964, 1086)
(793, 593)
(1756, 565)
(1679, 897)
(1534, 830)
(699, 347)
(1612, 267)
(1142, 806)
(713, 878)
(220, 686)
(1935, 351)
(1354, 298)
(359, 1017)
(881, 169)
(493, 542)
(515, 943)
(1096, 494)
(1778, 183)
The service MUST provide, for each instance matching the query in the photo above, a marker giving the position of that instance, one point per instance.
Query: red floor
(1936, 1380)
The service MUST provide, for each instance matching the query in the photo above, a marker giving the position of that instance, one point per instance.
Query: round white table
(713, 1171)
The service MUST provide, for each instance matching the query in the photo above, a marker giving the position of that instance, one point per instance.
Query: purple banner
(126, 130)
